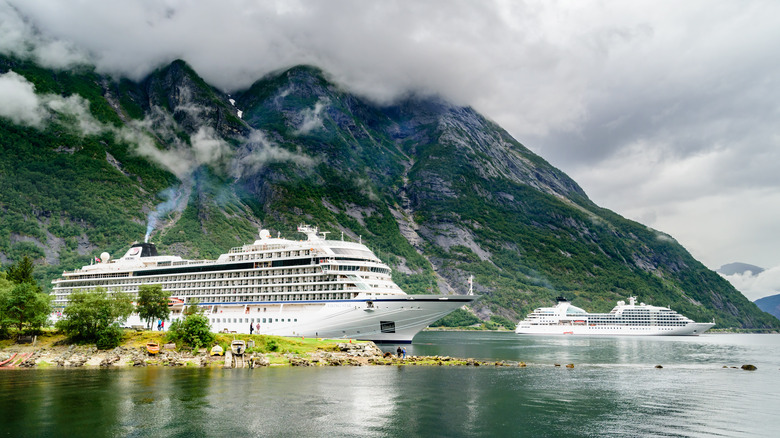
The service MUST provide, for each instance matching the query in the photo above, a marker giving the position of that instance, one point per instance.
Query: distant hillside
(770, 305)
(739, 268)
(437, 190)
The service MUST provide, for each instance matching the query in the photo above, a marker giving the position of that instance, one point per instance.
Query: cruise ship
(305, 288)
(624, 319)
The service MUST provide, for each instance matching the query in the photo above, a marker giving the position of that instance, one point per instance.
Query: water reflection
(614, 390)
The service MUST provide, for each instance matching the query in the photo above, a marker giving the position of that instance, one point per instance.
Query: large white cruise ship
(624, 319)
(310, 288)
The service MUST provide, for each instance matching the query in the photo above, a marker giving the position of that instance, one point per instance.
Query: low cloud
(312, 118)
(681, 96)
(21, 38)
(257, 151)
(764, 284)
(21, 105)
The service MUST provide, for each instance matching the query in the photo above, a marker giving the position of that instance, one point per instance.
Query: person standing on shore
(251, 328)
(398, 351)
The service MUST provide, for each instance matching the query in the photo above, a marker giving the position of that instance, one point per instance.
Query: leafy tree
(24, 305)
(5, 287)
(194, 331)
(152, 303)
(93, 316)
(22, 302)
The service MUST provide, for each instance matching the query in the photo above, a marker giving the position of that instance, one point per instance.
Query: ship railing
(263, 247)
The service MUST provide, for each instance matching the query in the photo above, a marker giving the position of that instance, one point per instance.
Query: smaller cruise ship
(624, 319)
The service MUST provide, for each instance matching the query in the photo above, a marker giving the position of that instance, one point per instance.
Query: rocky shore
(345, 354)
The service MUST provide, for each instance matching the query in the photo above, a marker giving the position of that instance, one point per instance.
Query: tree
(93, 316)
(152, 303)
(21, 271)
(194, 331)
(24, 304)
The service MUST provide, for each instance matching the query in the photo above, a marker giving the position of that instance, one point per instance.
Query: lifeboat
(238, 347)
(152, 347)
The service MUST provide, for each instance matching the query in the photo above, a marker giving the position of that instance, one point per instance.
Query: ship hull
(392, 320)
(690, 329)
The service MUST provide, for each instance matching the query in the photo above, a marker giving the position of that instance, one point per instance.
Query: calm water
(614, 390)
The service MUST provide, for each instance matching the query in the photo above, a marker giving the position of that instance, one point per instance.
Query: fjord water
(614, 389)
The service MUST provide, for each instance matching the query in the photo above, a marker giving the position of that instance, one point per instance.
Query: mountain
(739, 268)
(770, 305)
(437, 190)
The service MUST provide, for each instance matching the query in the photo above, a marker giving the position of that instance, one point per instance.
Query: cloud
(23, 106)
(655, 107)
(20, 103)
(257, 151)
(22, 38)
(312, 118)
(764, 284)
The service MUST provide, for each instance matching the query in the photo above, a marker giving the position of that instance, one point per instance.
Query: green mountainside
(436, 190)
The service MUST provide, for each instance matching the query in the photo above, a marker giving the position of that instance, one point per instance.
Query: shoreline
(50, 351)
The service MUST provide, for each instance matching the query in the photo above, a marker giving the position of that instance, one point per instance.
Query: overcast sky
(666, 112)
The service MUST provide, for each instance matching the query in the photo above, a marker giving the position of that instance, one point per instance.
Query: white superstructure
(624, 319)
(314, 287)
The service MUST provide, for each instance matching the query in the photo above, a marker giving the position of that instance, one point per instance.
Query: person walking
(251, 328)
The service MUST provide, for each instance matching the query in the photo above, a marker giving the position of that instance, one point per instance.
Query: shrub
(109, 337)
(193, 331)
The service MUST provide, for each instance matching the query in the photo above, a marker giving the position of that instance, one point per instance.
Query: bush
(109, 337)
(271, 345)
(194, 331)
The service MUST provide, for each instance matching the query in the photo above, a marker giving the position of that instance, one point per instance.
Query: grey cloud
(312, 118)
(257, 151)
(651, 106)
(20, 103)
(23, 106)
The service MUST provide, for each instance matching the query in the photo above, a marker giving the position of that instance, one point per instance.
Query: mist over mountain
(91, 163)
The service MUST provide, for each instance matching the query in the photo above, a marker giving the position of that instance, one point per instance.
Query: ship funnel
(141, 250)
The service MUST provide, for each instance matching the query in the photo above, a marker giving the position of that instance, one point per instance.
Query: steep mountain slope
(437, 190)
(770, 305)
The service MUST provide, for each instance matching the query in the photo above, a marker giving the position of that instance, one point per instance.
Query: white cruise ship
(624, 319)
(310, 288)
